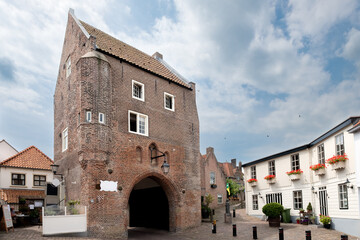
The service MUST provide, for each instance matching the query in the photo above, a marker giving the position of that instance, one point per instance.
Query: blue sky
(257, 65)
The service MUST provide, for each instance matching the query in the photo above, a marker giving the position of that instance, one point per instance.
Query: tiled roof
(12, 195)
(132, 55)
(228, 169)
(29, 158)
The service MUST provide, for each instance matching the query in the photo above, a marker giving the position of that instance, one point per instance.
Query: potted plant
(295, 174)
(319, 169)
(337, 162)
(270, 178)
(273, 211)
(326, 221)
(309, 208)
(34, 216)
(301, 210)
(252, 182)
(72, 206)
(205, 209)
(298, 220)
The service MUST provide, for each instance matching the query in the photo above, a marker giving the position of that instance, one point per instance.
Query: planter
(204, 213)
(338, 165)
(274, 222)
(271, 181)
(298, 221)
(213, 186)
(320, 172)
(253, 184)
(327, 226)
(294, 177)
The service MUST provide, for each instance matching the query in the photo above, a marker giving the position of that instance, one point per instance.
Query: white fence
(60, 220)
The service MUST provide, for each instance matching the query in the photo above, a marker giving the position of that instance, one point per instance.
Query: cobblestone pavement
(243, 222)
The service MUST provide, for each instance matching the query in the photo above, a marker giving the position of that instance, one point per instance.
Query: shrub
(325, 219)
(309, 207)
(273, 210)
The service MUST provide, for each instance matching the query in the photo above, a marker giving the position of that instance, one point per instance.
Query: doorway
(148, 205)
(323, 201)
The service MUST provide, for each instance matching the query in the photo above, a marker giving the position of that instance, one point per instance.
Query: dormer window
(68, 67)
(138, 90)
(169, 102)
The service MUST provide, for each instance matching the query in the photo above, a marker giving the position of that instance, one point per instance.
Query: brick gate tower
(121, 116)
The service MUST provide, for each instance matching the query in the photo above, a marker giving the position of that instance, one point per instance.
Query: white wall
(6, 150)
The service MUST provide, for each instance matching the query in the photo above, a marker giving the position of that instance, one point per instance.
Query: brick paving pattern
(243, 222)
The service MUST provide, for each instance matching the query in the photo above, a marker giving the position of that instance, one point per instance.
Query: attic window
(138, 90)
(68, 67)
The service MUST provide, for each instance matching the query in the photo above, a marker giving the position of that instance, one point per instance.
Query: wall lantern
(348, 184)
(165, 167)
(55, 168)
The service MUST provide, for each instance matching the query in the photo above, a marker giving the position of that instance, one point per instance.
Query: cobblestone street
(243, 222)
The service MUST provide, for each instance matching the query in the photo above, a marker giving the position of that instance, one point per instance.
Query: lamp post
(165, 167)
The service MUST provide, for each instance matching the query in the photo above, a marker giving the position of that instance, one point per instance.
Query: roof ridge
(22, 152)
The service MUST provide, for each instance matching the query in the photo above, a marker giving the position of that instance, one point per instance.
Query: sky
(270, 75)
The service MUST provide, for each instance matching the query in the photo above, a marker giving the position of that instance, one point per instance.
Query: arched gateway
(152, 202)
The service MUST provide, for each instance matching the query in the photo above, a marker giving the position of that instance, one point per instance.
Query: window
(253, 172)
(295, 163)
(220, 199)
(138, 90)
(39, 180)
(274, 197)
(321, 154)
(255, 202)
(88, 116)
(297, 196)
(169, 102)
(65, 139)
(272, 167)
(101, 118)
(212, 178)
(138, 123)
(343, 196)
(68, 67)
(51, 190)
(339, 141)
(18, 179)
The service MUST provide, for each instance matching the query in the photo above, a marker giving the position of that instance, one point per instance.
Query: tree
(234, 187)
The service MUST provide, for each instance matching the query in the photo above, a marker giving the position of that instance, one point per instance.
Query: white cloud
(351, 49)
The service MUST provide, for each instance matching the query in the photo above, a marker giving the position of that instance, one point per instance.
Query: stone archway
(153, 202)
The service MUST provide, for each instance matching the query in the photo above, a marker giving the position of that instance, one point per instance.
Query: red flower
(338, 158)
(252, 180)
(294, 172)
(317, 166)
(269, 177)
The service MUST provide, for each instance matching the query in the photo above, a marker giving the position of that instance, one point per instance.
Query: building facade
(234, 172)
(6, 150)
(27, 175)
(213, 180)
(118, 114)
(332, 191)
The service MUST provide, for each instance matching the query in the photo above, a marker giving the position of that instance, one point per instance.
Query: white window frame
(220, 197)
(343, 196)
(297, 199)
(339, 144)
(172, 101)
(68, 67)
(142, 98)
(295, 162)
(103, 118)
(253, 172)
(321, 153)
(255, 202)
(65, 139)
(137, 123)
(88, 116)
(212, 178)
(272, 167)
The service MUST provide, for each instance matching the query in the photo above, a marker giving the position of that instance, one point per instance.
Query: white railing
(60, 220)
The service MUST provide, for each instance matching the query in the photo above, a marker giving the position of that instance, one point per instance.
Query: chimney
(240, 165)
(209, 150)
(233, 162)
(157, 56)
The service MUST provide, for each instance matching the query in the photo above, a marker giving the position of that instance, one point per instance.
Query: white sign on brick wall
(108, 186)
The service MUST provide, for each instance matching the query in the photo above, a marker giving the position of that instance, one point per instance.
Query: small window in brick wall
(88, 116)
(101, 118)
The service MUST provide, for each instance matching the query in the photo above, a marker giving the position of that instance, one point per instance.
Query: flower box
(294, 177)
(338, 165)
(213, 185)
(271, 181)
(253, 184)
(320, 172)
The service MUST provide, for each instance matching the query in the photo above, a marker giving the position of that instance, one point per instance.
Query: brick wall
(102, 83)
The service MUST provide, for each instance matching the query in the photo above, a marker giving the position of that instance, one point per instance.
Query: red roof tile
(29, 158)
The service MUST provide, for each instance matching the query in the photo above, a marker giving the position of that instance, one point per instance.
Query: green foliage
(72, 206)
(34, 213)
(273, 209)
(309, 207)
(325, 219)
(234, 187)
(208, 199)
